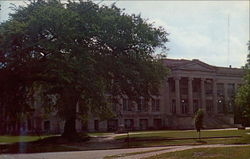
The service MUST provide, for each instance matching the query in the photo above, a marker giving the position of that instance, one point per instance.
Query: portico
(192, 82)
(188, 96)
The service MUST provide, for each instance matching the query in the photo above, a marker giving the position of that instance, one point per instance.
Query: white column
(225, 91)
(177, 95)
(121, 113)
(190, 95)
(225, 96)
(215, 105)
(203, 100)
(167, 106)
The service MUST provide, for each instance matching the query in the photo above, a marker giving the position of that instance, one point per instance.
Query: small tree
(199, 121)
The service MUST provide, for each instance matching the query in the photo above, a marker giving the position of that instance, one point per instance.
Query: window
(220, 89)
(145, 107)
(141, 104)
(230, 90)
(46, 125)
(195, 104)
(127, 104)
(184, 106)
(183, 86)
(171, 85)
(209, 105)
(112, 125)
(196, 86)
(155, 105)
(157, 123)
(96, 125)
(112, 103)
(231, 106)
(129, 123)
(208, 87)
(221, 104)
(143, 123)
(173, 108)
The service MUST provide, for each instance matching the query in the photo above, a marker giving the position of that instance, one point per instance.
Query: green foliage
(248, 56)
(243, 94)
(198, 119)
(77, 53)
(243, 97)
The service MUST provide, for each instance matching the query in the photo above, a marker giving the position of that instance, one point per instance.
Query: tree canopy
(80, 53)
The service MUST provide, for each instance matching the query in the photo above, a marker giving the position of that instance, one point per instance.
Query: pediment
(195, 66)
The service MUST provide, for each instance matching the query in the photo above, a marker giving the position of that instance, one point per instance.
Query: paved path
(174, 149)
(100, 154)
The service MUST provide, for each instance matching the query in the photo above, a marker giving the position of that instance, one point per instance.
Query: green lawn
(208, 153)
(184, 134)
(140, 139)
(30, 148)
(14, 139)
(132, 153)
(99, 134)
(19, 144)
(156, 138)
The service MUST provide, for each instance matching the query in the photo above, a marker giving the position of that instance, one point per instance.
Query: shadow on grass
(201, 141)
(50, 144)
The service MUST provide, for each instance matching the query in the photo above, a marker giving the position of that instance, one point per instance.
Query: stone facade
(191, 85)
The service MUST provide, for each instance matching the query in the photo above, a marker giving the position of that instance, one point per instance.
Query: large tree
(79, 53)
(243, 94)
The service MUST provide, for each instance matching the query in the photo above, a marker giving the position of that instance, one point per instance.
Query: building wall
(189, 86)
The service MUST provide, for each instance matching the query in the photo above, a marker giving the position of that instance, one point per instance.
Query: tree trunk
(70, 128)
(70, 99)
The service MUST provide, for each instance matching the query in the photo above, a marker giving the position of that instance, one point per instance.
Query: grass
(183, 134)
(99, 134)
(33, 144)
(160, 138)
(13, 144)
(207, 153)
(15, 139)
(133, 153)
(31, 148)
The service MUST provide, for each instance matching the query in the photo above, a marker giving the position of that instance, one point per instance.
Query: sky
(215, 32)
